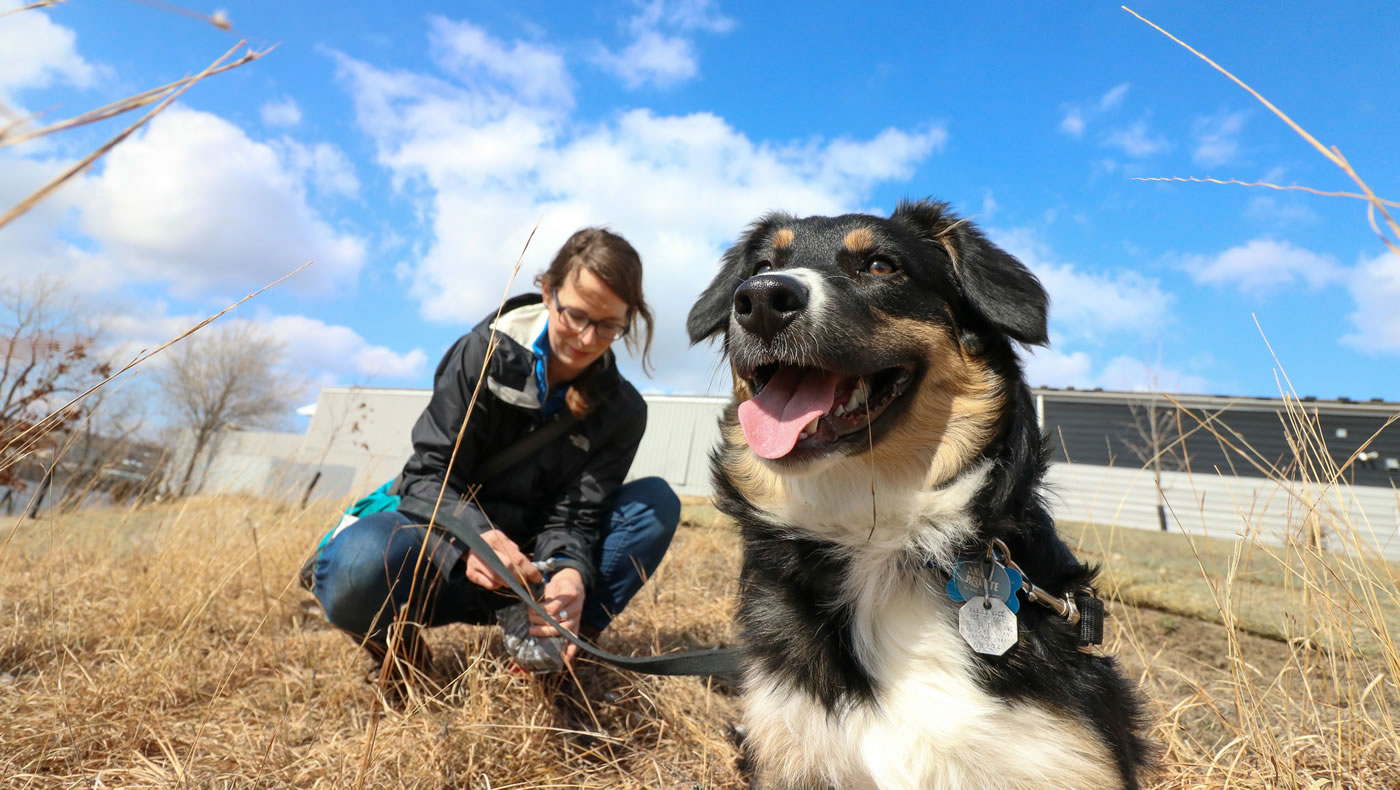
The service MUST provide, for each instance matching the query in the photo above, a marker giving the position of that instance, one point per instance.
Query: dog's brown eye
(881, 266)
(763, 266)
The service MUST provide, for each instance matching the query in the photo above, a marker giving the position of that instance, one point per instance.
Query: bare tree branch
(1158, 430)
(225, 378)
(47, 348)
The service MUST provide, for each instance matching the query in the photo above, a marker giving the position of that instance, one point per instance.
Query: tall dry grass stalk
(1325, 716)
(1317, 710)
(1374, 204)
(169, 96)
(163, 97)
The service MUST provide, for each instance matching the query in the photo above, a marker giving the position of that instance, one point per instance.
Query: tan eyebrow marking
(783, 239)
(859, 240)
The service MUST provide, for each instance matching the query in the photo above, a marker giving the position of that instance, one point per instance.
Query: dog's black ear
(1000, 288)
(710, 315)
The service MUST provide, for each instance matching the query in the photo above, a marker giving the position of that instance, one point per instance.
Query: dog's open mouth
(812, 408)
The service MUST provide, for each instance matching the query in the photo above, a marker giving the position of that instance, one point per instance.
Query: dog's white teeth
(858, 396)
(811, 427)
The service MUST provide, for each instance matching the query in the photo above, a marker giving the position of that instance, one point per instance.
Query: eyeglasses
(577, 321)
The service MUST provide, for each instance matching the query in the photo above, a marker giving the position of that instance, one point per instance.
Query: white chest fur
(901, 518)
(930, 725)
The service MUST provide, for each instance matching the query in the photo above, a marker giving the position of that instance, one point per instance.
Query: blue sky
(409, 148)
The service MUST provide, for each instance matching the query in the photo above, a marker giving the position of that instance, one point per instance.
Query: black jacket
(552, 504)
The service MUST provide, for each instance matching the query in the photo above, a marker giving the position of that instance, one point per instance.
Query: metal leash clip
(1081, 607)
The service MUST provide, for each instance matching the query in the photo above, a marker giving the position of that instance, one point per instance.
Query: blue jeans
(365, 574)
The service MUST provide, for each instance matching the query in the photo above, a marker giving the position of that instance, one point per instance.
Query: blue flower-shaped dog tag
(968, 582)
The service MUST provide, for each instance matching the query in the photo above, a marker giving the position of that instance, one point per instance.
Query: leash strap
(525, 446)
(1090, 618)
(715, 661)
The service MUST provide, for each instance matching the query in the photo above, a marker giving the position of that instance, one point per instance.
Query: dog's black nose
(766, 303)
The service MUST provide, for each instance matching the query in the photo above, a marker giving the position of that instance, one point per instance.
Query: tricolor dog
(909, 615)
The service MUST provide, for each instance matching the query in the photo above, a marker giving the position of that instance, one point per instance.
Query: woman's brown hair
(614, 261)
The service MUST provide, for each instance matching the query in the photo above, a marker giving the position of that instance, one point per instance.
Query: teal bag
(376, 501)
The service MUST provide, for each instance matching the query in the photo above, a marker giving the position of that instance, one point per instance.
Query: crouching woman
(566, 501)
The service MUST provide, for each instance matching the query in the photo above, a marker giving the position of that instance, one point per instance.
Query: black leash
(714, 661)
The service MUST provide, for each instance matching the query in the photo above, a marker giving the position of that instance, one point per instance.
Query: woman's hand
(478, 573)
(563, 599)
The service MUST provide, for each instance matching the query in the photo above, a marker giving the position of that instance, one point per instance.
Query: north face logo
(580, 441)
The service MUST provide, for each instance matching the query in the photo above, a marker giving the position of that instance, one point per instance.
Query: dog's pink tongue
(773, 419)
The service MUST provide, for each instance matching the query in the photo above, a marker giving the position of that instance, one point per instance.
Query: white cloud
(1135, 140)
(1078, 114)
(1084, 305)
(531, 72)
(1375, 285)
(329, 352)
(1051, 367)
(197, 204)
(283, 112)
(989, 205)
(1132, 374)
(685, 15)
(328, 168)
(41, 240)
(36, 53)
(1217, 138)
(314, 344)
(680, 188)
(191, 202)
(652, 57)
(1264, 264)
(658, 53)
(1073, 123)
(1113, 97)
(1266, 208)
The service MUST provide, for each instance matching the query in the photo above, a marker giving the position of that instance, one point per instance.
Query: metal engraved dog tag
(967, 582)
(987, 625)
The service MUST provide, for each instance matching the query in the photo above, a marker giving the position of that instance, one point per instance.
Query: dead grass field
(168, 647)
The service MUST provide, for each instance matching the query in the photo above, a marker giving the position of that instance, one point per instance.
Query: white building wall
(680, 432)
(359, 438)
(365, 430)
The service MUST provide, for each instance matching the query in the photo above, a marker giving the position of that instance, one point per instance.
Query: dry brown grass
(168, 647)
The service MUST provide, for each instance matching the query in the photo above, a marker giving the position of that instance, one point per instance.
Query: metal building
(1206, 464)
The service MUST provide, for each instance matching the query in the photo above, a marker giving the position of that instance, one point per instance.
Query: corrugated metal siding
(680, 434)
(1224, 506)
(1100, 434)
